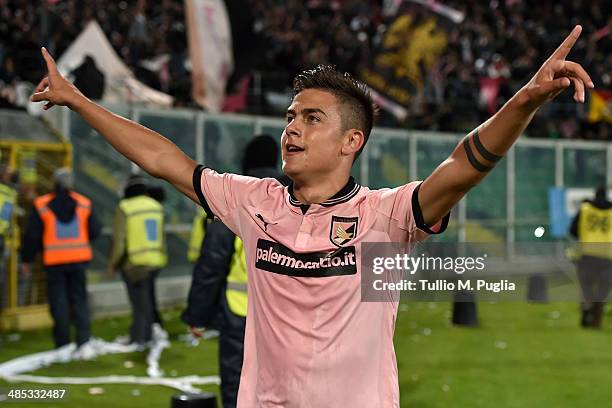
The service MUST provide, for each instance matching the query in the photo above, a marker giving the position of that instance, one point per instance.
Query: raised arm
(478, 152)
(154, 153)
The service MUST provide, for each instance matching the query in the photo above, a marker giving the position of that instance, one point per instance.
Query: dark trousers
(67, 292)
(143, 308)
(595, 276)
(156, 315)
(231, 349)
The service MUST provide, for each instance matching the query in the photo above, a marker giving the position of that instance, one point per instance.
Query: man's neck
(318, 190)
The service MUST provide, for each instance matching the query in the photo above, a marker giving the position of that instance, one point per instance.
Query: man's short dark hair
(359, 110)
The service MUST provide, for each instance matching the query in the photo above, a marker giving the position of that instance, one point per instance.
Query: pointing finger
(567, 44)
(51, 66)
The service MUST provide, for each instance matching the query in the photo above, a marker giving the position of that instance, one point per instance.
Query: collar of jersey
(347, 192)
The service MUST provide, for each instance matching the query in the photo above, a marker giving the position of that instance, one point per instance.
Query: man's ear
(354, 139)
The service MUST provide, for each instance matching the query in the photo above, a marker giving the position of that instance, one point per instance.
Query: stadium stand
(500, 41)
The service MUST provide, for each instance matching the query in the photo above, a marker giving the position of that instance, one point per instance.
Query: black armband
(472, 159)
(483, 151)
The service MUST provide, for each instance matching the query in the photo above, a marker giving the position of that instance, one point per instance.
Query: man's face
(312, 141)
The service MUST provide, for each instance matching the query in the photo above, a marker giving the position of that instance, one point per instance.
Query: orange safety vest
(65, 243)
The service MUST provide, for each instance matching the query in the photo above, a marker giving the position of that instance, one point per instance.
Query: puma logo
(265, 223)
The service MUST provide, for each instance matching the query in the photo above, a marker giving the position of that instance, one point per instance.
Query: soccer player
(310, 341)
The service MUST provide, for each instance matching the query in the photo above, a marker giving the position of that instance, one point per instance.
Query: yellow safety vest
(236, 292)
(595, 231)
(27, 167)
(198, 230)
(145, 244)
(8, 200)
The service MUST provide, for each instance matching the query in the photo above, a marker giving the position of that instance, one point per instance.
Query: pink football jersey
(310, 341)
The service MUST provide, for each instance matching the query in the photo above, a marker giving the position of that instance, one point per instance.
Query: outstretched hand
(557, 74)
(54, 89)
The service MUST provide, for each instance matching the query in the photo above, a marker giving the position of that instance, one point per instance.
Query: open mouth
(291, 148)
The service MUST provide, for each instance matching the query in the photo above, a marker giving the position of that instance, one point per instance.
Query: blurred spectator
(218, 295)
(8, 201)
(62, 226)
(157, 193)
(592, 225)
(139, 251)
(499, 45)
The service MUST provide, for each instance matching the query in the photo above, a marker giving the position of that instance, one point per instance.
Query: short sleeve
(223, 194)
(404, 218)
(197, 187)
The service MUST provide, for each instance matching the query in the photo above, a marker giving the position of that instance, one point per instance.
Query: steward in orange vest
(65, 242)
(61, 226)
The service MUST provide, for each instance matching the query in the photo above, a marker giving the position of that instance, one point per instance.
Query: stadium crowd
(503, 40)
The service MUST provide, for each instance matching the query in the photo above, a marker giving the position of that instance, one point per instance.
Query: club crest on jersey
(343, 230)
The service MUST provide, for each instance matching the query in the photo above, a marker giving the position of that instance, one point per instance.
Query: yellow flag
(600, 106)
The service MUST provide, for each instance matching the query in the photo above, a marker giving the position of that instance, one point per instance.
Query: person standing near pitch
(310, 341)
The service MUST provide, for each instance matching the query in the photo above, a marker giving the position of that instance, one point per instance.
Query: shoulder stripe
(418, 215)
(197, 187)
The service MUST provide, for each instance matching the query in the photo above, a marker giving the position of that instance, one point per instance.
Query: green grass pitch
(522, 355)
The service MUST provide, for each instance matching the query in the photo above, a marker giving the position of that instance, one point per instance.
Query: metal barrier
(506, 207)
(36, 161)
(509, 204)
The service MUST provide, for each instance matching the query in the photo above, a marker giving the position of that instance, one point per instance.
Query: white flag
(210, 51)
